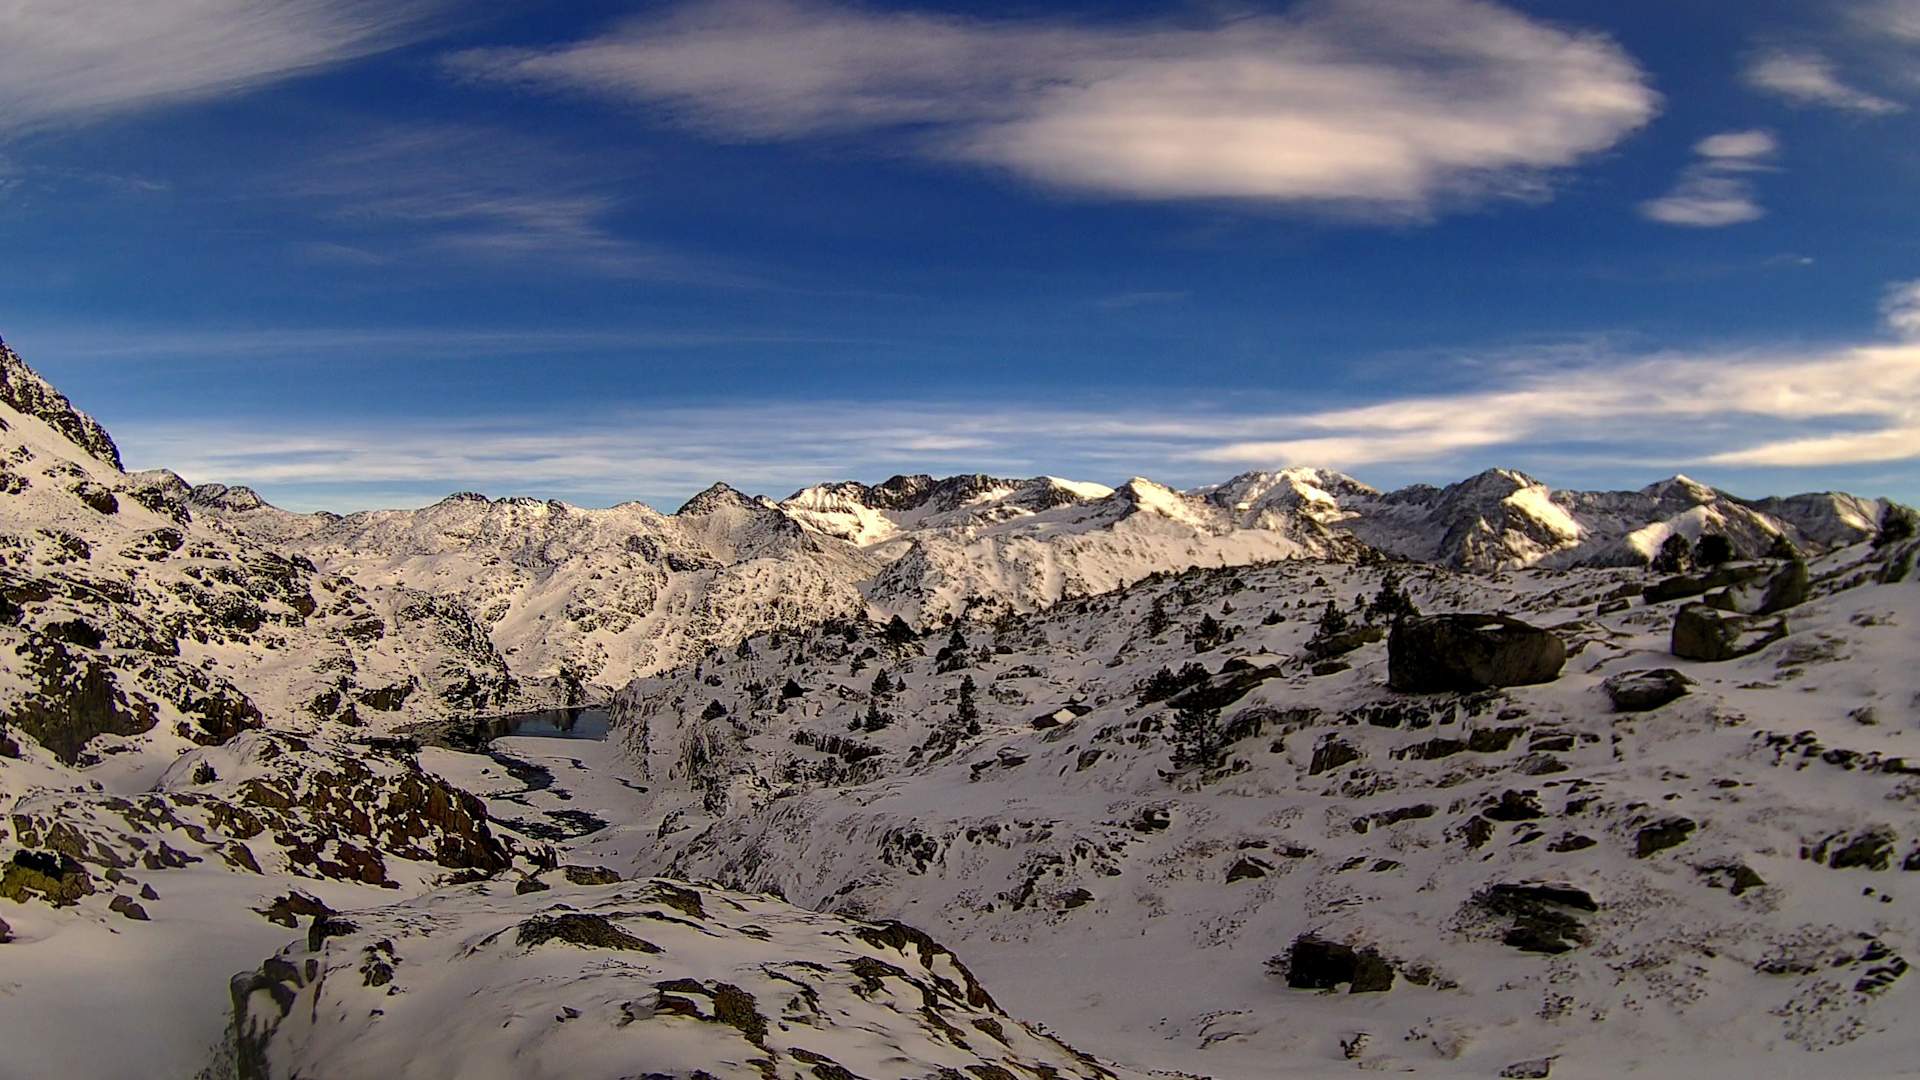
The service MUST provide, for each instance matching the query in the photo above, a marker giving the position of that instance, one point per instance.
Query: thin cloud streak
(1808, 78)
(62, 61)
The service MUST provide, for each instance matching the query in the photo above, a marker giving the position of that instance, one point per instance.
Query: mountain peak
(222, 497)
(28, 393)
(719, 496)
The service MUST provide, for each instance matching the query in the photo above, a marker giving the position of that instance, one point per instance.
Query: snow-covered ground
(1136, 908)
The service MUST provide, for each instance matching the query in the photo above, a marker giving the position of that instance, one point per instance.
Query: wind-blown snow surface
(1135, 907)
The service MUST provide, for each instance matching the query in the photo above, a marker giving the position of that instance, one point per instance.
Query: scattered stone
(6, 932)
(1534, 1069)
(591, 875)
(1313, 963)
(1681, 586)
(1247, 868)
(586, 931)
(1515, 806)
(1640, 691)
(1871, 850)
(1701, 632)
(1734, 877)
(1544, 919)
(288, 910)
(1332, 754)
(125, 905)
(1662, 835)
(1470, 652)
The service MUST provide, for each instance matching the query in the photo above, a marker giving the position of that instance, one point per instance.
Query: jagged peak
(28, 393)
(719, 496)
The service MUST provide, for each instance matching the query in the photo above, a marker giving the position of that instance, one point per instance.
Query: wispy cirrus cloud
(1716, 190)
(1898, 19)
(466, 192)
(1804, 77)
(62, 61)
(1396, 106)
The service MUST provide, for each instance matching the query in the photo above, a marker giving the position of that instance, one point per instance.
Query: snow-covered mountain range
(1157, 764)
(607, 595)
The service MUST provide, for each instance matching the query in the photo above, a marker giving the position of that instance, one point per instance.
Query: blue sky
(358, 253)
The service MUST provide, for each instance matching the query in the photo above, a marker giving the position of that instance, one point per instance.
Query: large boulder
(1786, 587)
(1470, 652)
(1703, 632)
(1681, 586)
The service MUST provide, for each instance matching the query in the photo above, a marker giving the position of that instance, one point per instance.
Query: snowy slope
(654, 978)
(1741, 848)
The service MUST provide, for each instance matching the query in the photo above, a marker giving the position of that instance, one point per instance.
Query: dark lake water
(476, 734)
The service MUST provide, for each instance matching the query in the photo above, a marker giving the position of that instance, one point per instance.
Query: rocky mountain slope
(129, 620)
(606, 595)
(1502, 880)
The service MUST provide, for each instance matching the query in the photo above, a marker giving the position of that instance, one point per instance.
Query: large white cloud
(1386, 103)
(65, 59)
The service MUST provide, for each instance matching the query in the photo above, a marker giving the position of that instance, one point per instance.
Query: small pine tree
(1332, 621)
(1156, 623)
(792, 690)
(1712, 550)
(966, 714)
(1675, 556)
(713, 711)
(1197, 737)
(876, 718)
(1207, 635)
(1782, 548)
(882, 686)
(1391, 603)
(898, 632)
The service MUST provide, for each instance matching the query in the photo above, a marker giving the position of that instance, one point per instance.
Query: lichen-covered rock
(1703, 632)
(1470, 652)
